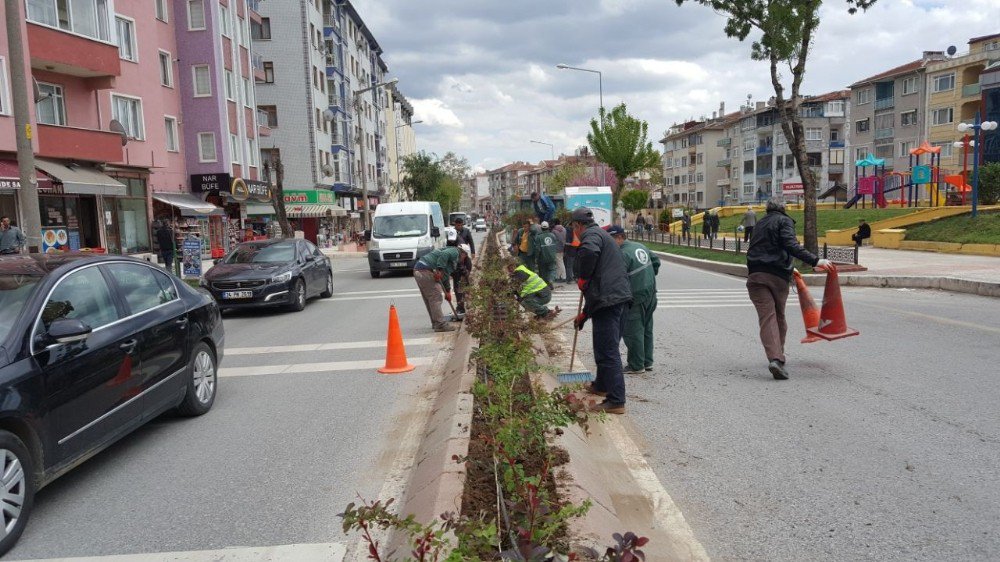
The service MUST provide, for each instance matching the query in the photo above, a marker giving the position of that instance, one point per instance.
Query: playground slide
(852, 201)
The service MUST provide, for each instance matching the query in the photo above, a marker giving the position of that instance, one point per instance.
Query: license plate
(397, 264)
(237, 295)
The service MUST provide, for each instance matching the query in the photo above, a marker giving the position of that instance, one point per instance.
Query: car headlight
(373, 244)
(202, 282)
(283, 278)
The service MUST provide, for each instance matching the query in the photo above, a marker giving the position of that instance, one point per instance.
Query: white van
(402, 233)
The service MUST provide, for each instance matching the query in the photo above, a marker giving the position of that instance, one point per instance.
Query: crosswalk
(313, 552)
(671, 298)
(420, 356)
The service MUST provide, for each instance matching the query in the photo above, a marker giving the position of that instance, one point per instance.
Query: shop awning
(314, 211)
(10, 176)
(188, 204)
(81, 179)
(259, 209)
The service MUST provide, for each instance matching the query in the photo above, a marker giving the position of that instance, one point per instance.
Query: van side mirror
(435, 232)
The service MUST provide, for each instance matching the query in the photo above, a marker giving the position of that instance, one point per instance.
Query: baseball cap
(582, 214)
(614, 230)
(545, 224)
(450, 234)
(465, 248)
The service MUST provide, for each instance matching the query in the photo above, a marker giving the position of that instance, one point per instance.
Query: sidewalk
(883, 262)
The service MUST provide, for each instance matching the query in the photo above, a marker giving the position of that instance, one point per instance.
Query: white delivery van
(402, 233)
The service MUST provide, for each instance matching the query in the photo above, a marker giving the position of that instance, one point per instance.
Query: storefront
(10, 187)
(190, 216)
(234, 196)
(313, 211)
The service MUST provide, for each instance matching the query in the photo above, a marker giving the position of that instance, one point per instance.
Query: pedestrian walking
(686, 226)
(431, 273)
(706, 225)
(465, 236)
(642, 266)
(602, 279)
(569, 254)
(560, 233)
(544, 208)
(11, 238)
(714, 216)
(167, 243)
(769, 263)
(532, 292)
(640, 222)
(545, 246)
(749, 221)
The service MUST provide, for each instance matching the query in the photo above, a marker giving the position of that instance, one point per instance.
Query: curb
(338, 255)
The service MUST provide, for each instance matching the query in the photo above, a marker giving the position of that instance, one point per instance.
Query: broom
(571, 377)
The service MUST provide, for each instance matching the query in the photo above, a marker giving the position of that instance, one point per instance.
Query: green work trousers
(638, 334)
(535, 302)
(547, 271)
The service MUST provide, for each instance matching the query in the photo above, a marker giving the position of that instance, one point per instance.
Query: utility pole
(28, 197)
(363, 146)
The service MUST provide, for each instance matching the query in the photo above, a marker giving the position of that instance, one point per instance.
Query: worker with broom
(604, 284)
(532, 292)
(642, 267)
(431, 273)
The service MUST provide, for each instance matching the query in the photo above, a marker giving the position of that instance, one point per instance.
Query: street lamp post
(411, 123)
(600, 91)
(977, 127)
(552, 147)
(359, 140)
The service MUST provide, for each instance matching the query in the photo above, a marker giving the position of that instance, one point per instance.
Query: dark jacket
(465, 237)
(864, 231)
(544, 208)
(165, 239)
(600, 264)
(773, 245)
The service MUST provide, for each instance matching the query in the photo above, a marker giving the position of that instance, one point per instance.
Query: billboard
(595, 198)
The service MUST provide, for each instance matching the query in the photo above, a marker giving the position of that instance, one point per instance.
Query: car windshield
(281, 252)
(15, 290)
(400, 226)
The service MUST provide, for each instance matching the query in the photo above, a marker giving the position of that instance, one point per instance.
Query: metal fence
(837, 254)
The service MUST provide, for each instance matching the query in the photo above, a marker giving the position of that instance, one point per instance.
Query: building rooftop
(893, 72)
(984, 38)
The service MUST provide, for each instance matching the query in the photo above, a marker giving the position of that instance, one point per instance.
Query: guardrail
(837, 254)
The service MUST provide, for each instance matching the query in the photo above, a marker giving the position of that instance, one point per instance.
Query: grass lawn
(828, 219)
(985, 229)
(700, 253)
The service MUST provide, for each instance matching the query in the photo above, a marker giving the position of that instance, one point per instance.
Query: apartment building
(955, 95)
(400, 138)
(506, 184)
(696, 161)
(990, 83)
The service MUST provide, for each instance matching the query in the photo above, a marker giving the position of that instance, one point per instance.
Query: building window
(860, 153)
(268, 72)
(814, 159)
(126, 39)
(942, 116)
(252, 152)
(261, 31)
(128, 112)
(84, 17)
(909, 85)
(837, 156)
(862, 125)
(247, 93)
(814, 133)
(835, 108)
(51, 110)
(883, 151)
(226, 21)
(864, 96)
(748, 145)
(206, 148)
(170, 127)
(234, 147)
(945, 148)
(908, 118)
(944, 82)
(230, 91)
(196, 16)
(161, 10)
(4, 90)
(270, 114)
(701, 158)
(202, 80)
(904, 148)
(166, 69)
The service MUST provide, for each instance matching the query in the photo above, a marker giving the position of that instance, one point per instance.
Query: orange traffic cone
(810, 312)
(832, 323)
(395, 353)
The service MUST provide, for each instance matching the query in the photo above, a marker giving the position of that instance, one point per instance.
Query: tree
(785, 29)
(423, 175)
(567, 174)
(989, 183)
(454, 166)
(278, 194)
(620, 141)
(635, 200)
(448, 194)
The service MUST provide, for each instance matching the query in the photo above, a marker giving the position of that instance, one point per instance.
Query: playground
(924, 184)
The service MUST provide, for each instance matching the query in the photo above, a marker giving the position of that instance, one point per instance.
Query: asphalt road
(296, 433)
(882, 446)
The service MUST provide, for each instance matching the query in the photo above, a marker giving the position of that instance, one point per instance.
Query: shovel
(455, 316)
(578, 376)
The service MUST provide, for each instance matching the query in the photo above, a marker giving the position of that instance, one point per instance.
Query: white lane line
(368, 298)
(378, 292)
(313, 367)
(322, 346)
(316, 552)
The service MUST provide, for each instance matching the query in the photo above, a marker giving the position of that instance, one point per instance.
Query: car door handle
(181, 322)
(129, 346)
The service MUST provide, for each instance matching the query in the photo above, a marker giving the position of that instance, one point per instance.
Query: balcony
(330, 20)
(263, 124)
(835, 168)
(724, 142)
(761, 150)
(257, 62)
(723, 182)
(764, 173)
(73, 55)
(75, 143)
(971, 90)
(886, 103)
(836, 144)
(883, 133)
(724, 162)
(254, 6)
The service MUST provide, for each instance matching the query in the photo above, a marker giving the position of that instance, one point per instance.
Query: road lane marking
(322, 346)
(378, 292)
(315, 552)
(297, 368)
(399, 296)
(938, 319)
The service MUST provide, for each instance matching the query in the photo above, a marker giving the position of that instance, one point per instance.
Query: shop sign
(310, 196)
(201, 183)
(7, 183)
(191, 256)
(792, 188)
(243, 189)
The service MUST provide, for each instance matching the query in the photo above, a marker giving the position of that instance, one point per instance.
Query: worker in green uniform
(642, 267)
(546, 245)
(532, 292)
(430, 273)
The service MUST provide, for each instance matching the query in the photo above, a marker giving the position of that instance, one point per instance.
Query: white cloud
(435, 112)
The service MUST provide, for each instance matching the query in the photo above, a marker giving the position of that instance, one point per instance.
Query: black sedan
(90, 349)
(270, 273)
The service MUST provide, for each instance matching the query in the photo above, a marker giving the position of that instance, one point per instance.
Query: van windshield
(399, 226)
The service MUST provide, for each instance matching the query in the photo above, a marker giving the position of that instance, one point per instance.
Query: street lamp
(977, 127)
(552, 147)
(600, 90)
(411, 123)
(360, 143)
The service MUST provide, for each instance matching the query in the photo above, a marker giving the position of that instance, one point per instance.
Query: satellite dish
(116, 127)
(951, 51)
(39, 96)
(329, 115)
(328, 170)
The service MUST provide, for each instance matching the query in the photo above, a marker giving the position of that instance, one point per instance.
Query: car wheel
(328, 291)
(298, 296)
(202, 382)
(18, 489)
(375, 274)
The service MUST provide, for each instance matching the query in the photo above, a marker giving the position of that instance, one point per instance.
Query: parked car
(279, 272)
(480, 225)
(91, 348)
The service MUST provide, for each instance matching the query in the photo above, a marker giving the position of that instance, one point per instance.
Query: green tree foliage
(423, 174)
(454, 166)
(989, 184)
(635, 200)
(783, 31)
(620, 141)
(563, 176)
(448, 194)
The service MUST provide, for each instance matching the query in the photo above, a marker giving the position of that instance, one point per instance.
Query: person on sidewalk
(706, 225)
(560, 233)
(11, 238)
(165, 240)
(864, 231)
(430, 273)
(545, 246)
(749, 221)
(543, 206)
(642, 266)
(569, 254)
(714, 216)
(686, 226)
(607, 295)
(640, 223)
(465, 236)
(769, 263)
(532, 292)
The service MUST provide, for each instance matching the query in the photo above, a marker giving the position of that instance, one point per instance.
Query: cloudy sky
(481, 73)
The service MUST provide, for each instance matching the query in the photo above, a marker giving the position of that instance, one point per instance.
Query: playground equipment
(942, 189)
(869, 185)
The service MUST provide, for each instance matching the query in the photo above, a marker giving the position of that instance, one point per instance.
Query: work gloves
(582, 284)
(447, 296)
(824, 265)
(580, 320)
(438, 275)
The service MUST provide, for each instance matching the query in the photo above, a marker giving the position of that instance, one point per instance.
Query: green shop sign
(310, 197)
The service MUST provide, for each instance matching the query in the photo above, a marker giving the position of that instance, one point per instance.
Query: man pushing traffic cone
(810, 312)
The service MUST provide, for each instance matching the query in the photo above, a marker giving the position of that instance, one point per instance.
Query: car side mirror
(66, 330)
(310, 257)
(435, 232)
(216, 261)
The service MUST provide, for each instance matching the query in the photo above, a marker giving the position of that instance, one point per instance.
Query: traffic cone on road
(810, 312)
(395, 353)
(832, 323)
